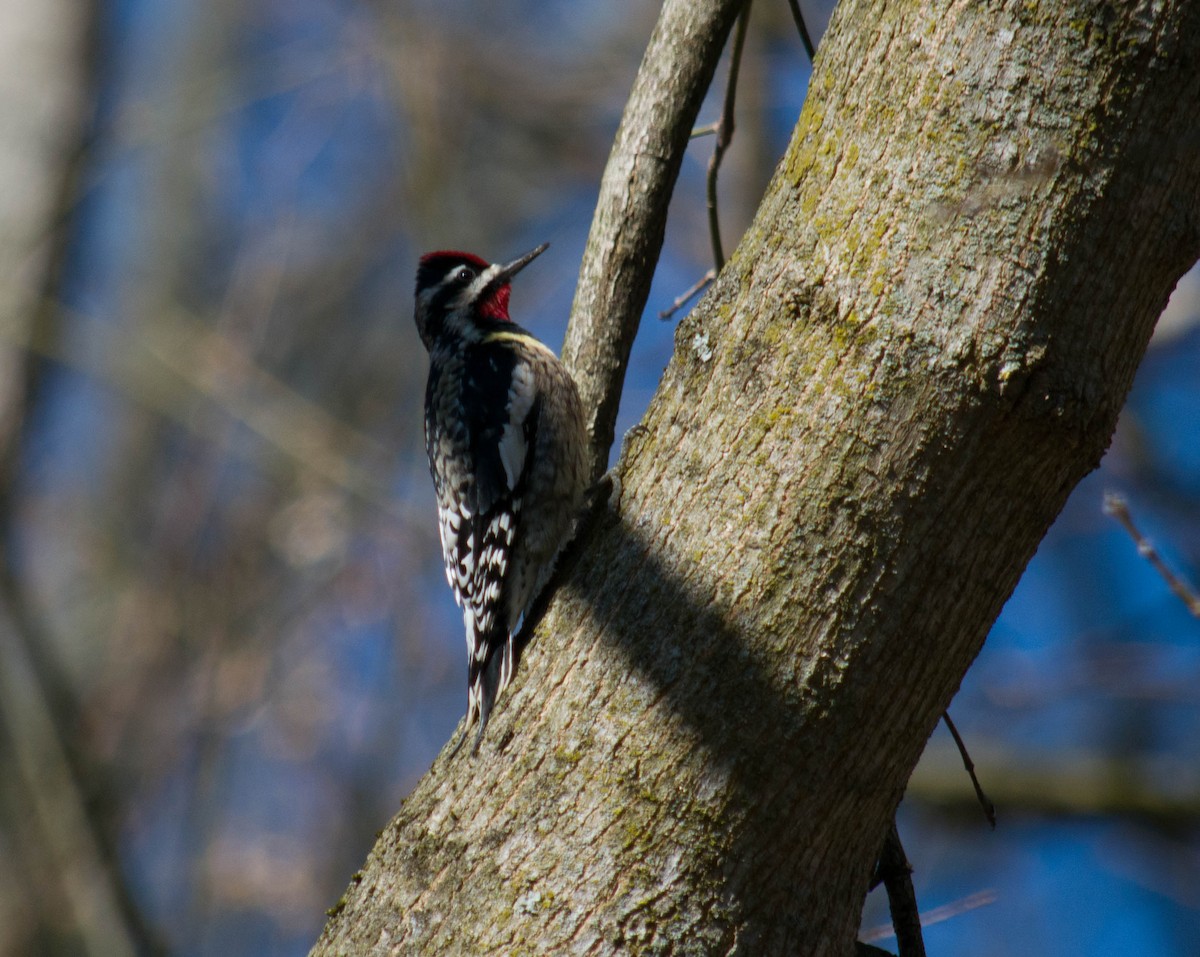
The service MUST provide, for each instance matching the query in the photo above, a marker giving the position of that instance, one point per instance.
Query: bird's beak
(508, 270)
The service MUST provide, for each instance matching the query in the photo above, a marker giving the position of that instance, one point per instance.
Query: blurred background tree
(226, 648)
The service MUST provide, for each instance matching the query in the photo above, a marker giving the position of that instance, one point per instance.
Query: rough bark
(918, 349)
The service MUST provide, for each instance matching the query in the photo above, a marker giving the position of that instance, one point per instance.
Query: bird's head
(462, 296)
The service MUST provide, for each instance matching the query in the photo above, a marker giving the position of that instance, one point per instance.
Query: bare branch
(724, 130)
(1116, 506)
(804, 36)
(895, 873)
(179, 360)
(631, 212)
(989, 809)
(693, 290)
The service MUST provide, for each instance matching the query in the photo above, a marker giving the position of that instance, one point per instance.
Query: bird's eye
(462, 274)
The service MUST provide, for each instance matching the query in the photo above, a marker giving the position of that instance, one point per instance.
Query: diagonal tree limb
(631, 211)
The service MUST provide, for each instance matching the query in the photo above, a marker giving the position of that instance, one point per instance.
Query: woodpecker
(507, 445)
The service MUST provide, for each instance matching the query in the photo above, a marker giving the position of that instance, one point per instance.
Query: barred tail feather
(489, 672)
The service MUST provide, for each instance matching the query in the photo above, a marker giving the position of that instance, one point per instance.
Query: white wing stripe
(512, 440)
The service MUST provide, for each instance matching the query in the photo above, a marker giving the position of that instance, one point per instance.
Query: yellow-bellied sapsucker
(507, 444)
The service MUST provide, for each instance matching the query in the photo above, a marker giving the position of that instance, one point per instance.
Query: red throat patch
(496, 305)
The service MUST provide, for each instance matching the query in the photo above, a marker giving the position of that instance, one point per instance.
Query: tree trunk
(919, 348)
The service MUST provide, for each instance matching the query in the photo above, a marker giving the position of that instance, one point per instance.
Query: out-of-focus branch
(936, 915)
(178, 360)
(1073, 785)
(66, 834)
(212, 367)
(631, 211)
(59, 784)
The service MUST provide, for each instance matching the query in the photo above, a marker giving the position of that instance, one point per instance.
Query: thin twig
(989, 809)
(694, 290)
(725, 126)
(804, 37)
(1116, 506)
